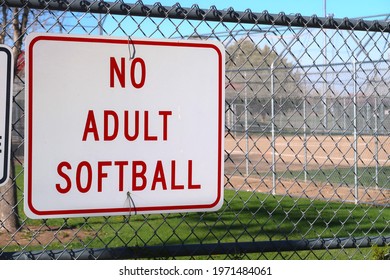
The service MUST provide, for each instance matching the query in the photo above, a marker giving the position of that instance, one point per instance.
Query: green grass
(344, 176)
(245, 216)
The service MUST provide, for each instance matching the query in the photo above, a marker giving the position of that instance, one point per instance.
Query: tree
(8, 202)
(249, 71)
(13, 26)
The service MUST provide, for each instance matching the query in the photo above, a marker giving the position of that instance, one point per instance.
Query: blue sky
(340, 8)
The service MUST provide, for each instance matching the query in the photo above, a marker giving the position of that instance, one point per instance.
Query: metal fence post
(355, 131)
(273, 148)
(304, 140)
(246, 126)
(376, 153)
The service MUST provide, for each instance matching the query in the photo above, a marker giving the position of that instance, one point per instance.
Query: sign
(6, 82)
(119, 126)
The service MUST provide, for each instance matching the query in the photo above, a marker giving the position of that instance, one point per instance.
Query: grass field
(366, 176)
(245, 216)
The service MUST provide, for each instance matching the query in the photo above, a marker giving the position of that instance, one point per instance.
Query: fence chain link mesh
(307, 114)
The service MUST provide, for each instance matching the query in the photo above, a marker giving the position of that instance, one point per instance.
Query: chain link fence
(307, 167)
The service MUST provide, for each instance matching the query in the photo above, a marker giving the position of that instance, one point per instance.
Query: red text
(134, 125)
(119, 71)
(85, 176)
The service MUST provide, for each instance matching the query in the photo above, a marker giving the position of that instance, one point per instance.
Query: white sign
(6, 82)
(117, 126)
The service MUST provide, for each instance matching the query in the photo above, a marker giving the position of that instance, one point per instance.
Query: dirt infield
(256, 156)
(314, 150)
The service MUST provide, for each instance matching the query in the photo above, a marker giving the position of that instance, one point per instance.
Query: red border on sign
(123, 209)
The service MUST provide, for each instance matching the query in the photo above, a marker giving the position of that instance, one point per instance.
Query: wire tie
(131, 43)
(131, 203)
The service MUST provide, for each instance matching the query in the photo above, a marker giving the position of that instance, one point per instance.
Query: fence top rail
(313, 65)
(196, 13)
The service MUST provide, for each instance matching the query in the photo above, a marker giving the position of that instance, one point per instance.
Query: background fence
(307, 171)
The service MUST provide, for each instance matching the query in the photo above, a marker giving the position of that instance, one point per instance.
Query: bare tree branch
(3, 24)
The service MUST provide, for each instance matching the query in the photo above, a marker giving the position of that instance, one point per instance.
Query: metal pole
(100, 25)
(355, 139)
(367, 117)
(177, 250)
(376, 156)
(304, 138)
(246, 127)
(376, 84)
(241, 17)
(273, 111)
(324, 87)
(234, 119)
(273, 130)
(324, 8)
(344, 115)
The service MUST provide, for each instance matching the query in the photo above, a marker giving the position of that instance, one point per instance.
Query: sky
(340, 8)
